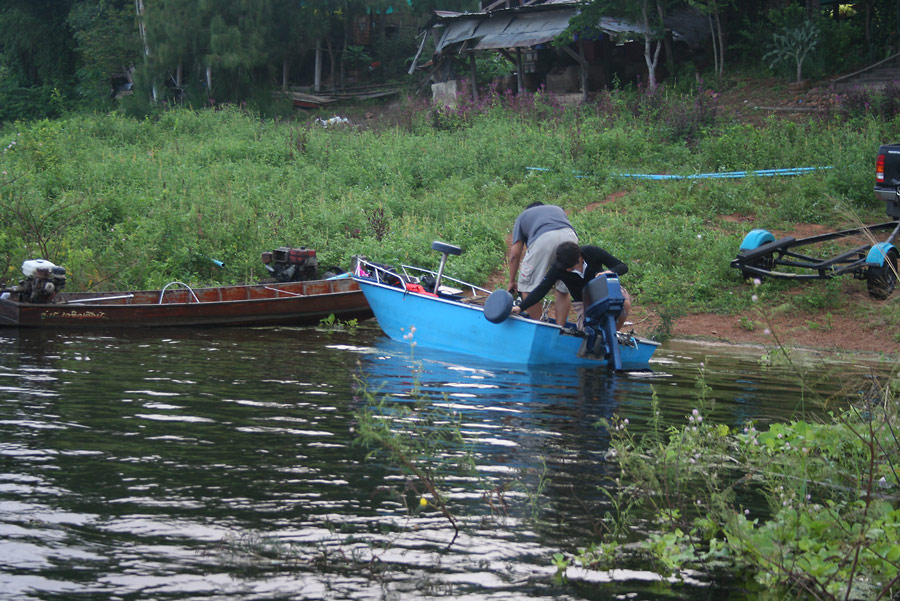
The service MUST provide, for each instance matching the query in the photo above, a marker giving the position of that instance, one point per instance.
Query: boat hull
(455, 326)
(283, 304)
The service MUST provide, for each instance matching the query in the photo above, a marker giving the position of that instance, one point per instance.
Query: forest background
(137, 192)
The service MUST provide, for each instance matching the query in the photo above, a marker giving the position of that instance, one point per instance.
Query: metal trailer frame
(761, 254)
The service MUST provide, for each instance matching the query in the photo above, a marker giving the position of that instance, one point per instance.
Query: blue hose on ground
(716, 175)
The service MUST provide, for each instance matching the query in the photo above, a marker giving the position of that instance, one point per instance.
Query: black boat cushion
(497, 306)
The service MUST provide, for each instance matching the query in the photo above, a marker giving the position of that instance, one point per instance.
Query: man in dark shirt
(576, 266)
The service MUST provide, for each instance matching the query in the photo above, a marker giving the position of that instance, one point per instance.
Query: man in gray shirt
(538, 230)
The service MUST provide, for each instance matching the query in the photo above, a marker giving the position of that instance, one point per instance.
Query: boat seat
(443, 247)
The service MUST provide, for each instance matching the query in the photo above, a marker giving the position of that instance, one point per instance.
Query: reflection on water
(220, 464)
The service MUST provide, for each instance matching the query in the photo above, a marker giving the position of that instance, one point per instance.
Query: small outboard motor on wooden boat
(603, 303)
(42, 281)
(292, 264)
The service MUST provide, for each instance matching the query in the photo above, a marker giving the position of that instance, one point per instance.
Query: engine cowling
(43, 280)
(603, 303)
(292, 264)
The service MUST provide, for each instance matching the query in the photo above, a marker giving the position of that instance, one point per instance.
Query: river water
(221, 464)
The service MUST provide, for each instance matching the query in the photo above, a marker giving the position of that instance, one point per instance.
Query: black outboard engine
(292, 264)
(42, 281)
(603, 303)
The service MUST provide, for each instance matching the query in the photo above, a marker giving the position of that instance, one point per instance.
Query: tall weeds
(126, 203)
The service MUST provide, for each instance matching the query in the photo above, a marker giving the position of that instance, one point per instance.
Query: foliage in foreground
(422, 440)
(801, 506)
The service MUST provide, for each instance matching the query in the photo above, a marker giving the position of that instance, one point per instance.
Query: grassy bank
(125, 203)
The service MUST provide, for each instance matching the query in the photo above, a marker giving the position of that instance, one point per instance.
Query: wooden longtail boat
(177, 305)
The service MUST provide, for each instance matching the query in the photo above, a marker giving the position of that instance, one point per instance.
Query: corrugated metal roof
(513, 29)
(523, 30)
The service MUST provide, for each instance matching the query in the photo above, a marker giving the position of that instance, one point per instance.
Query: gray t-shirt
(533, 222)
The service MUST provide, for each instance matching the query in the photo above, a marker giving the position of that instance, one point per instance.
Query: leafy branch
(793, 45)
(415, 437)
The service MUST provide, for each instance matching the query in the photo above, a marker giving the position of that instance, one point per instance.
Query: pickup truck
(887, 178)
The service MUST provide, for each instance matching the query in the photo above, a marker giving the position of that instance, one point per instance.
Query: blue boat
(426, 308)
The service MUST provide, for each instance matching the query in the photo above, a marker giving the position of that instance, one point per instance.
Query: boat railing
(413, 275)
(163, 291)
(98, 299)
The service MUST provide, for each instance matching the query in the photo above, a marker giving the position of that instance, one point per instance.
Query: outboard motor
(42, 281)
(292, 264)
(603, 303)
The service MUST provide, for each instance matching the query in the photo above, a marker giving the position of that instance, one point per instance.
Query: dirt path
(820, 330)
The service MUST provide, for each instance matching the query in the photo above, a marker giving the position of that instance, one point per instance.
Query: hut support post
(474, 76)
(520, 76)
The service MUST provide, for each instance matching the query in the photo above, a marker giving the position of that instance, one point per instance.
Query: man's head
(568, 256)
(535, 204)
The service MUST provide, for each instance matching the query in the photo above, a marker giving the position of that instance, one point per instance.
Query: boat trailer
(761, 255)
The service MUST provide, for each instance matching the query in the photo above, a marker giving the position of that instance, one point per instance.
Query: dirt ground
(819, 330)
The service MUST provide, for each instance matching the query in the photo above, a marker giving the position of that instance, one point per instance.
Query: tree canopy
(229, 50)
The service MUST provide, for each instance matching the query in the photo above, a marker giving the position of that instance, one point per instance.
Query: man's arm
(538, 294)
(599, 258)
(515, 257)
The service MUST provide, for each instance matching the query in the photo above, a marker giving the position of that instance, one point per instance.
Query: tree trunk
(868, 22)
(209, 81)
(317, 82)
(648, 45)
(348, 31)
(721, 33)
(715, 46)
(284, 74)
(666, 39)
(142, 30)
(583, 71)
(330, 59)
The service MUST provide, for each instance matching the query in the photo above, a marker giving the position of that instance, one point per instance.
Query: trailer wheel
(766, 263)
(882, 280)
